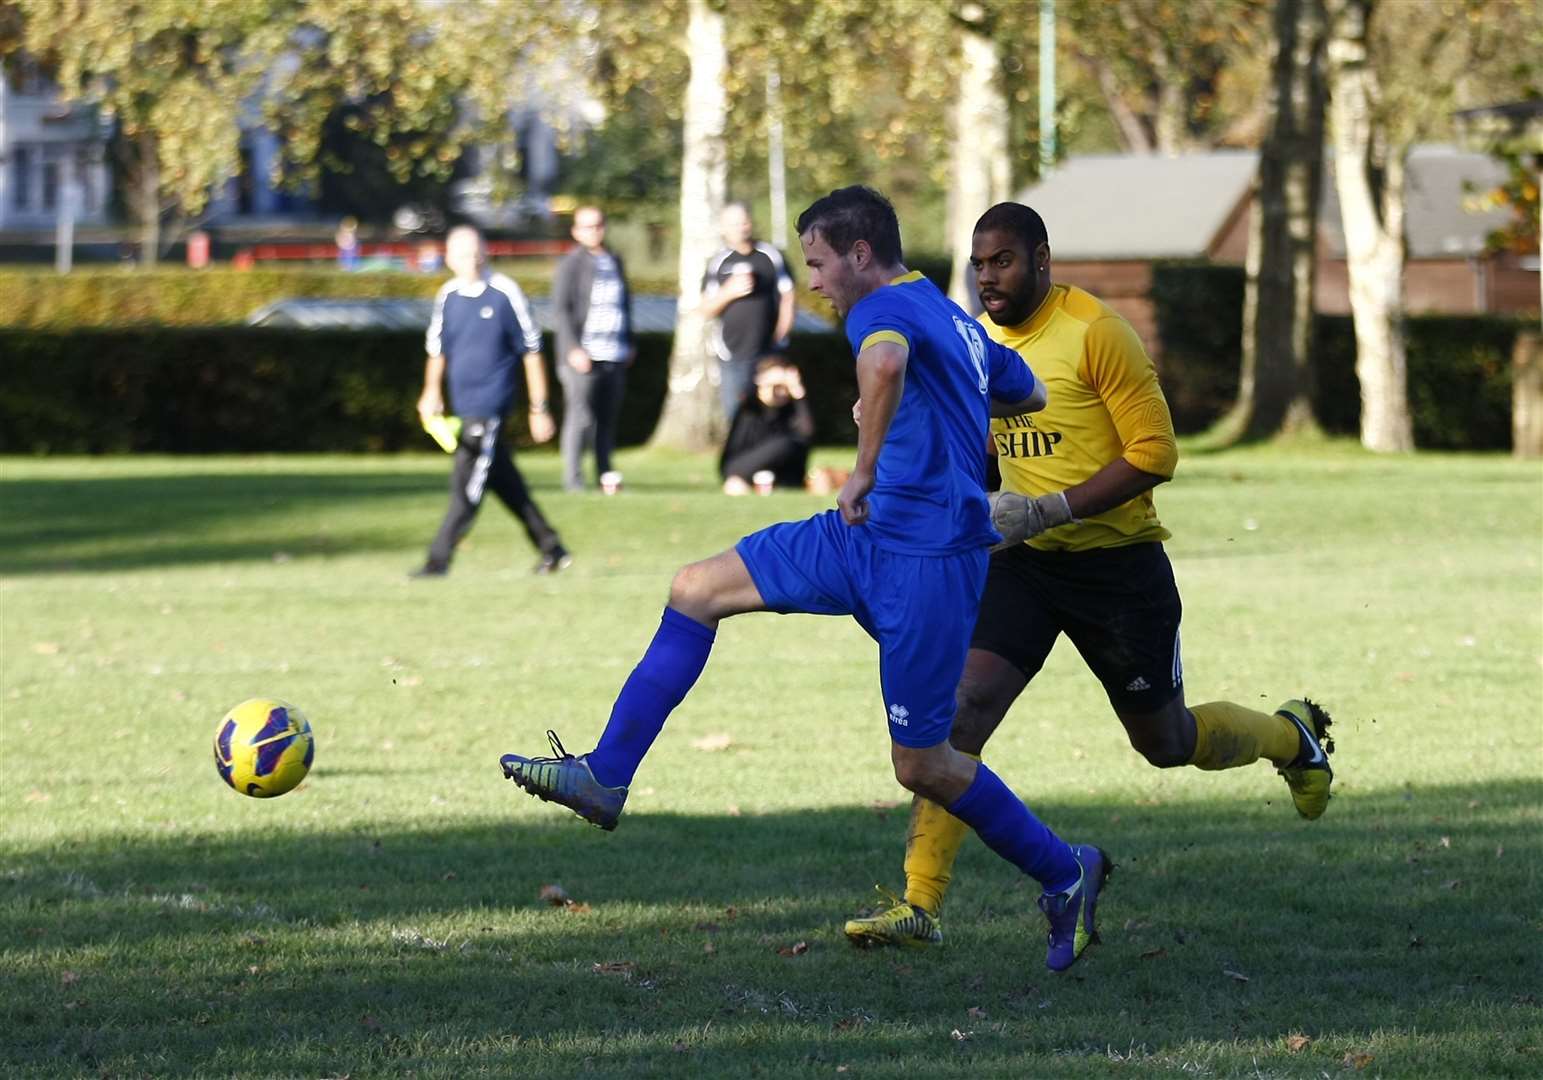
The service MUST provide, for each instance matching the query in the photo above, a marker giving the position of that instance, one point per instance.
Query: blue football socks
(660, 682)
(1011, 830)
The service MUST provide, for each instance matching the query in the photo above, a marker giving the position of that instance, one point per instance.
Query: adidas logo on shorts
(1138, 683)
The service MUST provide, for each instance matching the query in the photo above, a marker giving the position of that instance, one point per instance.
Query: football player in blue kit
(904, 553)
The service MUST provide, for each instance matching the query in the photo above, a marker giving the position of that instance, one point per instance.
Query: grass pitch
(386, 918)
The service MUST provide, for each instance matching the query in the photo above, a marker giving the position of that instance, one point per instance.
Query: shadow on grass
(115, 523)
(299, 953)
(131, 522)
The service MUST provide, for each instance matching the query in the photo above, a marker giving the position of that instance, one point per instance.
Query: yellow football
(264, 748)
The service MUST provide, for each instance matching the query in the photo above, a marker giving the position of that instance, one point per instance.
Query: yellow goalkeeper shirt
(1105, 403)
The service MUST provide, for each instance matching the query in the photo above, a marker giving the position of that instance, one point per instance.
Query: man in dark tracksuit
(592, 314)
(481, 322)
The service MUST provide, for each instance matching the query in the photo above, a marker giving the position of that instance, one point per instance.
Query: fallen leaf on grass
(960, 1036)
(46, 648)
(975, 1012)
(1238, 975)
(709, 948)
(1446, 841)
(1455, 883)
(36, 796)
(615, 967)
(720, 741)
(369, 1022)
(1297, 1043)
(1154, 954)
(798, 948)
(1357, 1059)
(557, 896)
(68, 978)
(679, 1047)
(847, 1023)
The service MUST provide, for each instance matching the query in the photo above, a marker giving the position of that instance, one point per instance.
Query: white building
(49, 150)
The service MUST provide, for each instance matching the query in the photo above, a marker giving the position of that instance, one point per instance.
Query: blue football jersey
(929, 496)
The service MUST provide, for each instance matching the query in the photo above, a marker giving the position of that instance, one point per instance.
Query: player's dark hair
(1017, 219)
(851, 214)
(773, 360)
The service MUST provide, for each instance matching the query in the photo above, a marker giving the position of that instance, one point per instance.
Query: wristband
(1056, 510)
(538, 406)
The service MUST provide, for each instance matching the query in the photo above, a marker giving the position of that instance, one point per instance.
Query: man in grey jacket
(592, 309)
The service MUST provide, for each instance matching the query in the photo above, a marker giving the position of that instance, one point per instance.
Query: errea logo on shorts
(899, 715)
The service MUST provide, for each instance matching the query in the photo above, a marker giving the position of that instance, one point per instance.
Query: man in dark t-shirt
(748, 289)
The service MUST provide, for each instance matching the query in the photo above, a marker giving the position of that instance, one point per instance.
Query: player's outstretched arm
(1014, 388)
(1033, 403)
(880, 383)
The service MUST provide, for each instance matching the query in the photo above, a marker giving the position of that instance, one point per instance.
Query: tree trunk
(980, 155)
(148, 199)
(1170, 124)
(1275, 392)
(1369, 176)
(692, 417)
(1527, 395)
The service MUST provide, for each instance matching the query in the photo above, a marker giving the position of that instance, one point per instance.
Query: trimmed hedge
(1199, 311)
(243, 389)
(1459, 365)
(121, 297)
(213, 297)
(1459, 379)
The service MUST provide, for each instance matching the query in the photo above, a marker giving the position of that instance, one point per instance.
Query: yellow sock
(931, 846)
(1228, 735)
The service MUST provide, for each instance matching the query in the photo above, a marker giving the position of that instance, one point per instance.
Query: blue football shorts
(919, 608)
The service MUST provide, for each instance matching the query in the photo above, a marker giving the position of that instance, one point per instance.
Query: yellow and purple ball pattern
(263, 748)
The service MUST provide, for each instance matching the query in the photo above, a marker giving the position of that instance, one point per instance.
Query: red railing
(409, 251)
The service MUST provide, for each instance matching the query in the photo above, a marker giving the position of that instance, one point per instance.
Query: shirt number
(977, 350)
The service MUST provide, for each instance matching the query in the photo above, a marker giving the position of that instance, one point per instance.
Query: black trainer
(553, 561)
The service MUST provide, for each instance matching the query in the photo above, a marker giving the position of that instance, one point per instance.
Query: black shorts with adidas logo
(1119, 606)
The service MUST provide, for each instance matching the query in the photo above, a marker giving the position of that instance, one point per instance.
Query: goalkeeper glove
(1020, 517)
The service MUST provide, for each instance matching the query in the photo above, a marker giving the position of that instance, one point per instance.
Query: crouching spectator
(771, 433)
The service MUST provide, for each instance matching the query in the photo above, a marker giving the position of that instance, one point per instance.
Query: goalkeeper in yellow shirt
(1082, 555)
